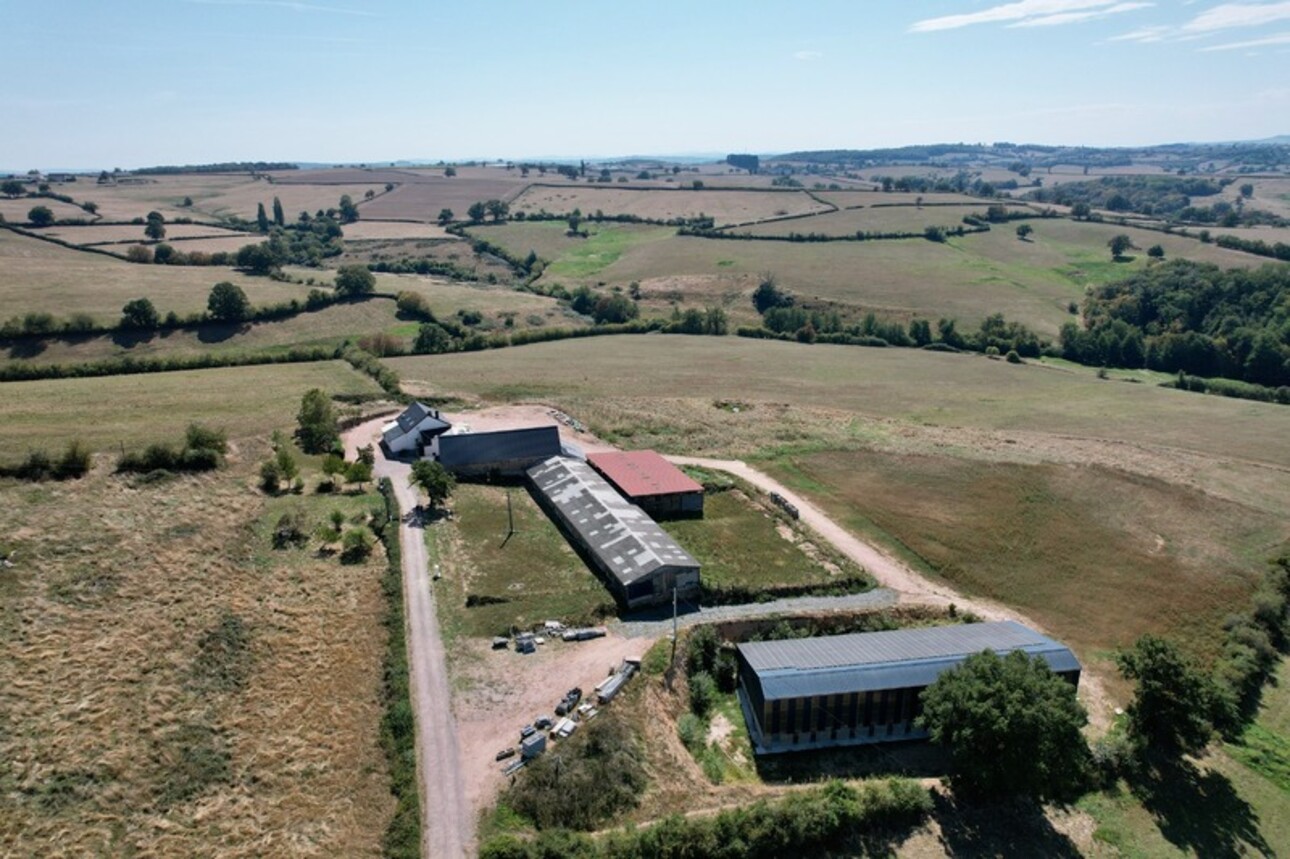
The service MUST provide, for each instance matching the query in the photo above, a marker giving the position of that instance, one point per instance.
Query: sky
(95, 84)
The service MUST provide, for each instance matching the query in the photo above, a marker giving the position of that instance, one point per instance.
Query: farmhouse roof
(470, 449)
(642, 473)
(623, 537)
(411, 418)
(894, 659)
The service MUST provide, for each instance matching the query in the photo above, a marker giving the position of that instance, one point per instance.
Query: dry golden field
(133, 411)
(727, 207)
(15, 210)
(875, 219)
(109, 234)
(368, 230)
(422, 200)
(173, 686)
(42, 276)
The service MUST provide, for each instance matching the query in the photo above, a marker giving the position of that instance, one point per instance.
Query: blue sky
(129, 83)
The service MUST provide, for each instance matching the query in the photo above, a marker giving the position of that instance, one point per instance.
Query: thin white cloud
(1230, 15)
(1155, 33)
(1079, 17)
(288, 4)
(1019, 11)
(807, 56)
(1278, 39)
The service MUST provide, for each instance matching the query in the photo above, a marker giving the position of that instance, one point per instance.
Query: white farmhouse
(412, 430)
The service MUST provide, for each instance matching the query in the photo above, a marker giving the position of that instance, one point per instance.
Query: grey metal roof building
(865, 687)
(638, 559)
(507, 452)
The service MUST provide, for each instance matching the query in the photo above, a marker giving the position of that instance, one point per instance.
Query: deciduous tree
(140, 314)
(1171, 707)
(354, 280)
(316, 423)
(1010, 724)
(40, 216)
(228, 302)
(434, 480)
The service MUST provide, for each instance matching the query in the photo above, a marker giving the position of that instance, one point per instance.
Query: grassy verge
(398, 730)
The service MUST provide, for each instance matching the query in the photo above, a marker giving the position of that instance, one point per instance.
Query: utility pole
(510, 516)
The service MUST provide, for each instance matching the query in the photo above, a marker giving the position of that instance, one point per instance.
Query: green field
(522, 580)
(741, 545)
(106, 413)
(40, 276)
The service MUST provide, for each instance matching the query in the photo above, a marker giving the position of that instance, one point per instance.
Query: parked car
(527, 731)
(543, 722)
(506, 753)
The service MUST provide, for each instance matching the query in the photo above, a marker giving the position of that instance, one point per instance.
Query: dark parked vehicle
(527, 731)
(506, 753)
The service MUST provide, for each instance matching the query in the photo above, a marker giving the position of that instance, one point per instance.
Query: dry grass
(120, 738)
(15, 210)
(96, 235)
(366, 230)
(164, 194)
(422, 200)
(1097, 556)
(911, 386)
(969, 277)
(727, 207)
(215, 244)
(892, 219)
(44, 276)
(156, 407)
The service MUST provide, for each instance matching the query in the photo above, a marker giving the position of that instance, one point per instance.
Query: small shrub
(693, 732)
(356, 546)
(703, 692)
(1013, 357)
(290, 530)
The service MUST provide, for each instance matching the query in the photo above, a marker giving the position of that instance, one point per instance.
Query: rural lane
(447, 826)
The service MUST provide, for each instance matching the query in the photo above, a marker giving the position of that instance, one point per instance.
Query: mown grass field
(912, 386)
(533, 576)
(105, 413)
(422, 200)
(114, 233)
(15, 210)
(727, 207)
(894, 219)
(1096, 556)
(173, 686)
(742, 545)
(40, 276)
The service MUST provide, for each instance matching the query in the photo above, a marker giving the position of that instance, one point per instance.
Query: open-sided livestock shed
(840, 690)
(651, 482)
(639, 560)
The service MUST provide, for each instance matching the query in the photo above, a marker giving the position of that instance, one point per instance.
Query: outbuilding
(843, 690)
(650, 482)
(639, 561)
(505, 453)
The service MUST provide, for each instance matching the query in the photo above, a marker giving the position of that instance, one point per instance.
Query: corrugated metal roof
(479, 449)
(893, 659)
(624, 538)
(642, 473)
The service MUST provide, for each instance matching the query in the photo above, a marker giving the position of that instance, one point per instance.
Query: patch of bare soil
(498, 692)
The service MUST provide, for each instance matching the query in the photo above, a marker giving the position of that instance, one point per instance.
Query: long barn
(842, 690)
(639, 561)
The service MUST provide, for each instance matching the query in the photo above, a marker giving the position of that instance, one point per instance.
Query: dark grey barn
(843, 690)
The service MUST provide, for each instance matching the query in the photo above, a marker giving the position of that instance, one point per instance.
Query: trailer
(564, 728)
(615, 684)
(584, 634)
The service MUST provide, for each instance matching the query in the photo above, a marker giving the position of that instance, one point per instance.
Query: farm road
(447, 826)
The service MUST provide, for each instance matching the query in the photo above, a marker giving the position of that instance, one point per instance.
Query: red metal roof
(641, 473)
